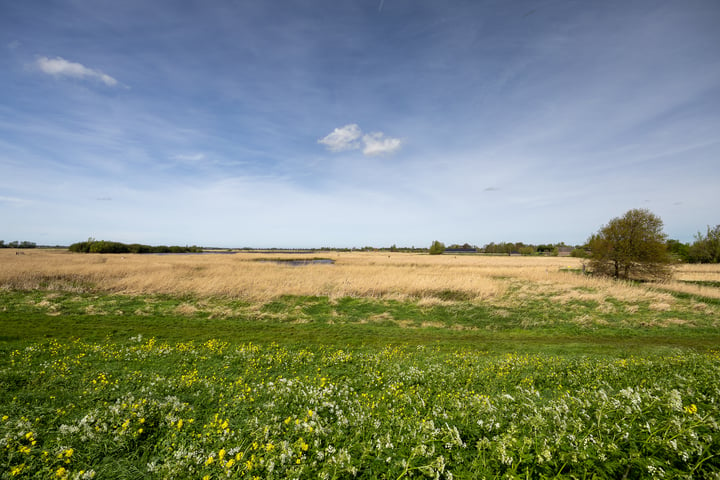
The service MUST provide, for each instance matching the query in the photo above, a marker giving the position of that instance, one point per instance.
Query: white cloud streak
(190, 157)
(350, 137)
(12, 200)
(59, 67)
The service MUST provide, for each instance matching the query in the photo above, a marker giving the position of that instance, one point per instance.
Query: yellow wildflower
(221, 454)
(61, 472)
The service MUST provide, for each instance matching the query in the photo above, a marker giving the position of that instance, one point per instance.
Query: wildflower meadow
(151, 409)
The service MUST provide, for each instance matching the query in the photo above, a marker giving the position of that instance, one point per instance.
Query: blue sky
(352, 123)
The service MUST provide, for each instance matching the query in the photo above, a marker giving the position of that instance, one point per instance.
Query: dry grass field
(424, 278)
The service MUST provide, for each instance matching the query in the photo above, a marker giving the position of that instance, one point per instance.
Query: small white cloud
(14, 45)
(60, 67)
(377, 144)
(343, 138)
(350, 137)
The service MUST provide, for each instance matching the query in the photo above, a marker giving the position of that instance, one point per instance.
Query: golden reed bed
(361, 274)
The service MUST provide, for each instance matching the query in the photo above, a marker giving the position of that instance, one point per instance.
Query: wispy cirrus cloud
(190, 157)
(351, 137)
(59, 67)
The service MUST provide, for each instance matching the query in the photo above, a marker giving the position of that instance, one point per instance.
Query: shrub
(437, 248)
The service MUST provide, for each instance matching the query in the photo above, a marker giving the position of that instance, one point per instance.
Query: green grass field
(112, 386)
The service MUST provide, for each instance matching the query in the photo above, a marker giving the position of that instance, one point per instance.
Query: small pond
(295, 262)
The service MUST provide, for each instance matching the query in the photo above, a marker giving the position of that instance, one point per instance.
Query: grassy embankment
(378, 366)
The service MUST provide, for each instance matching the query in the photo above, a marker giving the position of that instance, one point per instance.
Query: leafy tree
(679, 250)
(526, 250)
(437, 248)
(706, 248)
(631, 246)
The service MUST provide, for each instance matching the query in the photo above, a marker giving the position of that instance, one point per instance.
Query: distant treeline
(520, 248)
(17, 244)
(509, 248)
(104, 246)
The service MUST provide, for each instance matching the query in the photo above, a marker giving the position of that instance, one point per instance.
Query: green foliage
(679, 250)
(17, 244)
(80, 247)
(631, 247)
(527, 250)
(108, 247)
(437, 248)
(507, 248)
(503, 247)
(579, 253)
(103, 246)
(464, 246)
(706, 248)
